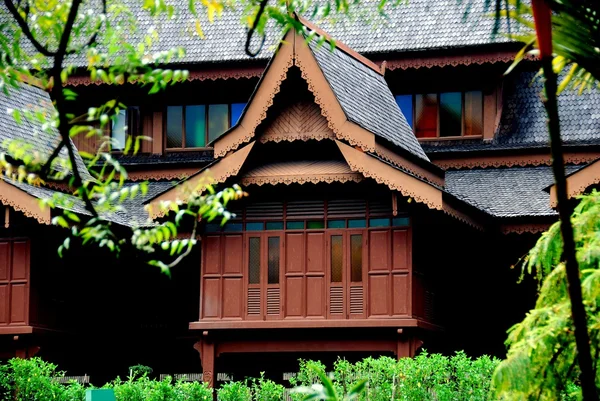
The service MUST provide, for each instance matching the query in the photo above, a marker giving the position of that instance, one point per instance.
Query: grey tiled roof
(412, 25)
(523, 122)
(28, 97)
(366, 98)
(505, 192)
(133, 213)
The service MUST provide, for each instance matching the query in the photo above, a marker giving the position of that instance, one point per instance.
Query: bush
(425, 377)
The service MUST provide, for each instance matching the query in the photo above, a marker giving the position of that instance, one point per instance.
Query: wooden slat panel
(233, 251)
(20, 260)
(305, 209)
(212, 252)
(253, 305)
(211, 298)
(379, 295)
(4, 304)
(315, 249)
(379, 248)
(4, 260)
(401, 295)
(18, 304)
(294, 298)
(336, 300)
(400, 250)
(232, 297)
(262, 210)
(356, 300)
(294, 253)
(273, 301)
(346, 208)
(315, 302)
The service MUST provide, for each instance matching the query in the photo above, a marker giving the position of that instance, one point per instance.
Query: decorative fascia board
(524, 228)
(215, 173)
(578, 182)
(453, 60)
(391, 177)
(302, 179)
(515, 160)
(23, 202)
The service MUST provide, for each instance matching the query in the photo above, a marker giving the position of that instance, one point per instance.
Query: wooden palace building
(394, 182)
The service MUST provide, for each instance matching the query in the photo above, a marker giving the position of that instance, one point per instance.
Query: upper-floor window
(126, 122)
(443, 115)
(195, 126)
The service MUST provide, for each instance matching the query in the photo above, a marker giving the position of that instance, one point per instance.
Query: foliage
(542, 358)
(234, 391)
(140, 370)
(575, 39)
(145, 389)
(266, 390)
(425, 377)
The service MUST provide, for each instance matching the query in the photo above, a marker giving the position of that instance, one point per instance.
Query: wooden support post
(206, 348)
(407, 345)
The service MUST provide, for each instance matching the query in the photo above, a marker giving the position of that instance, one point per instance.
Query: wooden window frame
(462, 117)
(183, 117)
(130, 123)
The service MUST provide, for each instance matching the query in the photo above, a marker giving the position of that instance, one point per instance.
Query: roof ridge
(340, 45)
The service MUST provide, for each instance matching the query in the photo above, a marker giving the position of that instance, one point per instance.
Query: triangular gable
(346, 126)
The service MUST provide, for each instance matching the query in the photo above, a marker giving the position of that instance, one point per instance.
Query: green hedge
(426, 377)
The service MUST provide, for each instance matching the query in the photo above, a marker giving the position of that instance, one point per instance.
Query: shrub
(266, 390)
(423, 378)
(234, 391)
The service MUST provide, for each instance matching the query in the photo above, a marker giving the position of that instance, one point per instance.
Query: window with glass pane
(406, 106)
(294, 225)
(474, 113)
(273, 264)
(336, 258)
(119, 130)
(195, 126)
(218, 120)
(174, 126)
(236, 113)
(254, 260)
(275, 225)
(426, 109)
(356, 257)
(358, 223)
(255, 226)
(315, 225)
(450, 114)
(336, 224)
(379, 222)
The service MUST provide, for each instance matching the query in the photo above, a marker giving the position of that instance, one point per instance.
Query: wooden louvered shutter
(336, 263)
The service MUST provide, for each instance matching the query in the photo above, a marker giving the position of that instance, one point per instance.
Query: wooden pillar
(408, 345)
(206, 348)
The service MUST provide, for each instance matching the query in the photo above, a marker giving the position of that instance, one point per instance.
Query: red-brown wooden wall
(14, 282)
(305, 288)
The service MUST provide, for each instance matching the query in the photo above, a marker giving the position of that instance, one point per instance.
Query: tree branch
(46, 167)
(261, 10)
(94, 37)
(26, 30)
(565, 210)
(59, 101)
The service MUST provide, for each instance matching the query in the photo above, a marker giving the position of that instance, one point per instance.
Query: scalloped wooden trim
(394, 179)
(457, 214)
(160, 175)
(453, 60)
(534, 159)
(23, 202)
(209, 74)
(579, 181)
(302, 179)
(218, 172)
(531, 228)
